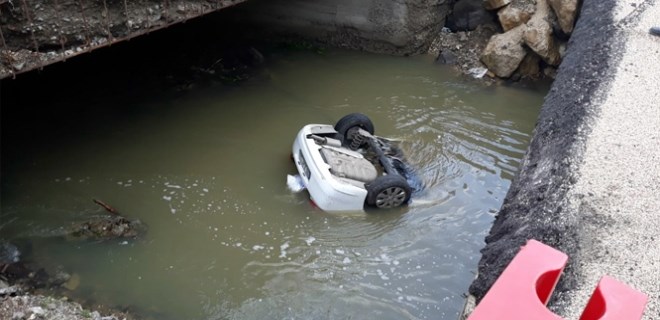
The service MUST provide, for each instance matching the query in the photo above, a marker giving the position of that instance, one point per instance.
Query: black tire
(389, 191)
(348, 125)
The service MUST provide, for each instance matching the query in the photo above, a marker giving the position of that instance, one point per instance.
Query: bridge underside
(36, 33)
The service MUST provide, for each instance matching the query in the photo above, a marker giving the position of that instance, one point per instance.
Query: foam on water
(295, 183)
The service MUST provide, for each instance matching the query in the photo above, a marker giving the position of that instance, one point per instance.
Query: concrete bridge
(36, 33)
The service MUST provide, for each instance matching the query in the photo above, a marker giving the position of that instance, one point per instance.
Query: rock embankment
(22, 289)
(32, 307)
(534, 37)
(508, 39)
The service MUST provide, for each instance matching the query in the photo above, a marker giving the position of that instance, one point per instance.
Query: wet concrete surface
(588, 184)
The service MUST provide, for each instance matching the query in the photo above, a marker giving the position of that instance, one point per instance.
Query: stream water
(206, 171)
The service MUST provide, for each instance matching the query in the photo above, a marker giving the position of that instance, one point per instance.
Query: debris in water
(106, 206)
(310, 240)
(478, 73)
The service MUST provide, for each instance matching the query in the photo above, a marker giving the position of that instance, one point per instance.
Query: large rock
(515, 14)
(566, 11)
(530, 67)
(495, 4)
(504, 52)
(73, 283)
(467, 15)
(538, 34)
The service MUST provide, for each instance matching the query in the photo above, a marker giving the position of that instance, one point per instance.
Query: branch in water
(106, 206)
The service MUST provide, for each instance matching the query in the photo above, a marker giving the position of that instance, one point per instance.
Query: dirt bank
(35, 33)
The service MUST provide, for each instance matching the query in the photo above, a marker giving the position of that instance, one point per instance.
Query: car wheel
(348, 126)
(389, 191)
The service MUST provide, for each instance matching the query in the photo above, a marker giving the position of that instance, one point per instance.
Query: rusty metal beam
(86, 25)
(107, 20)
(57, 16)
(26, 12)
(167, 9)
(2, 37)
(4, 47)
(128, 27)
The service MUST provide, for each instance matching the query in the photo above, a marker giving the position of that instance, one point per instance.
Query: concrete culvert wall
(399, 27)
(35, 33)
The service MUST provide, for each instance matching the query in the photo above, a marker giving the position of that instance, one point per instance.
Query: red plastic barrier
(525, 286)
(613, 300)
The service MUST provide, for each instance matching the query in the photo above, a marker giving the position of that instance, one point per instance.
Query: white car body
(333, 175)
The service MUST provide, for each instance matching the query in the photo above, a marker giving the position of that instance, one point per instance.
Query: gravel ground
(619, 180)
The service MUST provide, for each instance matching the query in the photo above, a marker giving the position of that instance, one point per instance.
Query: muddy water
(206, 171)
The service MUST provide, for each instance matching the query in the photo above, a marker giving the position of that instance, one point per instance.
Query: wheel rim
(391, 197)
(352, 132)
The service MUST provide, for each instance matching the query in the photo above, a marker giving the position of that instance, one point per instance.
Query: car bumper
(325, 190)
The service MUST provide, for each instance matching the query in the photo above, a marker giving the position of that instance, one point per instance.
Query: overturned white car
(346, 167)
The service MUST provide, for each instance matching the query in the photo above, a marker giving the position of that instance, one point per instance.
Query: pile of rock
(534, 38)
(32, 307)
